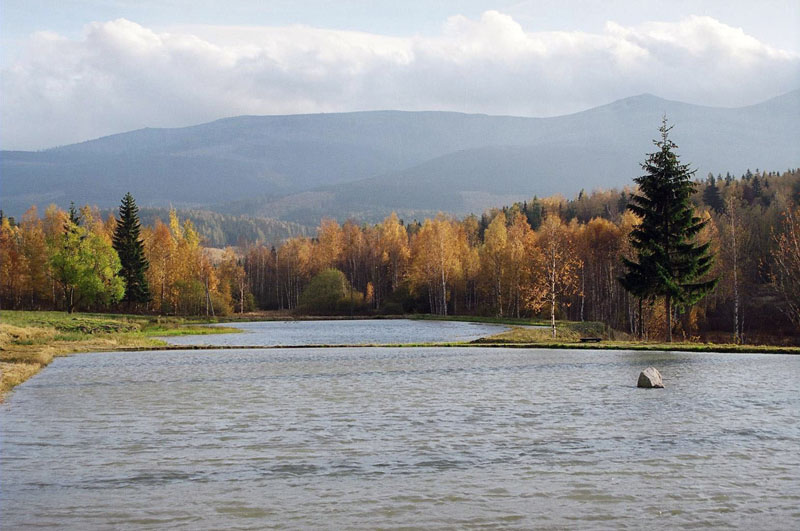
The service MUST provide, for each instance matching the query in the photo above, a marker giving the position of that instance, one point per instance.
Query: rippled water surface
(344, 332)
(346, 438)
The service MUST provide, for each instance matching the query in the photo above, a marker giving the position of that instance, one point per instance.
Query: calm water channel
(344, 438)
(344, 332)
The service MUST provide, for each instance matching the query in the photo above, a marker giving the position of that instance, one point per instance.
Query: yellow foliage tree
(160, 249)
(494, 259)
(330, 243)
(436, 260)
(524, 265)
(395, 248)
(561, 263)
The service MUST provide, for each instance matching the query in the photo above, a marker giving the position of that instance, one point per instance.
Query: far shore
(30, 340)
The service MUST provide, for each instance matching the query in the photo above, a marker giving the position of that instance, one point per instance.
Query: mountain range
(365, 164)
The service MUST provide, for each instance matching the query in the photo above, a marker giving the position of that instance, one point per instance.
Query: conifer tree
(711, 195)
(669, 262)
(130, 248)
(74, 217)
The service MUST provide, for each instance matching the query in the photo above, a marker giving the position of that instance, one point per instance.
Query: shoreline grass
(30, 340)
(656, 347)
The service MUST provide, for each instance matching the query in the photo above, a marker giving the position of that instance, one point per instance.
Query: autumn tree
(494, 259)
(396, 252)
(786, 257)
(85, 266)
(160, 250)
(469, 258)
(232, 273)
(560, 261)
(259, 263)
(599, 244)
(353, 255)
(13, 266)
(435, 260)
(34, 248)
(524, 261)
(734, 238)
(329, 245)
(375, 271)
(294, 268)
(669, 263)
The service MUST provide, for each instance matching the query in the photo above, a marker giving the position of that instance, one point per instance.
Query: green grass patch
(191, 330)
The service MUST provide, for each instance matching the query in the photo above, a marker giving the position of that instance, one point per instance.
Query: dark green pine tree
(711, 195)
(130, 249)
(669, 262)
(74, 215)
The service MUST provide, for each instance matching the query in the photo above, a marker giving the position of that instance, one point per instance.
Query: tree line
(74, 259)
(589, 258)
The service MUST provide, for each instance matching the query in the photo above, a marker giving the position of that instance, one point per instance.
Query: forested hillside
(365, 165)
(221, 230)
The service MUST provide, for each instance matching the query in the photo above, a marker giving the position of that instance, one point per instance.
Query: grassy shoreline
(655, 347)
(30, 340)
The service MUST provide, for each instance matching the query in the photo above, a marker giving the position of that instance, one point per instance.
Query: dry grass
(569, 334)
(26, 351)
(13, 374)
(566, 332)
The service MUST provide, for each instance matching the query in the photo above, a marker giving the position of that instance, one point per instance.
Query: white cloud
(122, 76)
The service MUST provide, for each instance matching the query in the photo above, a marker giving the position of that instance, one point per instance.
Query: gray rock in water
(650, 378)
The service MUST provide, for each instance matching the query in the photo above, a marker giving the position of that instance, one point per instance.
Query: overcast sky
(72, 70)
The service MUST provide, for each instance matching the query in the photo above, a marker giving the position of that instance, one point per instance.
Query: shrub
(392, 308)
(329, 292)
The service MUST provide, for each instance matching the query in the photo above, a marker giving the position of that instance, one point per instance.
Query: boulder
(650, 378)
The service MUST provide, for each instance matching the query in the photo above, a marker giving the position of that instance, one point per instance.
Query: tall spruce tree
(711, 195)
(130, 249)
(669, 262)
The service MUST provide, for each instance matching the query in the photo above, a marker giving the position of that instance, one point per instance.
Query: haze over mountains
(366, 164)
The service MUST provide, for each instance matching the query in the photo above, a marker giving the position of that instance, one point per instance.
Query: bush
(349, 305)
(391, 308)
(408, 301)
(329, 292)
(221, 303)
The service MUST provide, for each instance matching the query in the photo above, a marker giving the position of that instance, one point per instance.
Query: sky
(72, 70)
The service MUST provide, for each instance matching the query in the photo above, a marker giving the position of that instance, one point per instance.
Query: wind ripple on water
(364, 438)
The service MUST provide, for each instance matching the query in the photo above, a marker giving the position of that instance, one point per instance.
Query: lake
(382, 437)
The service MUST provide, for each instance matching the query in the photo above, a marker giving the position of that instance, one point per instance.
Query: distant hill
(365, 164)
(221, 230)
